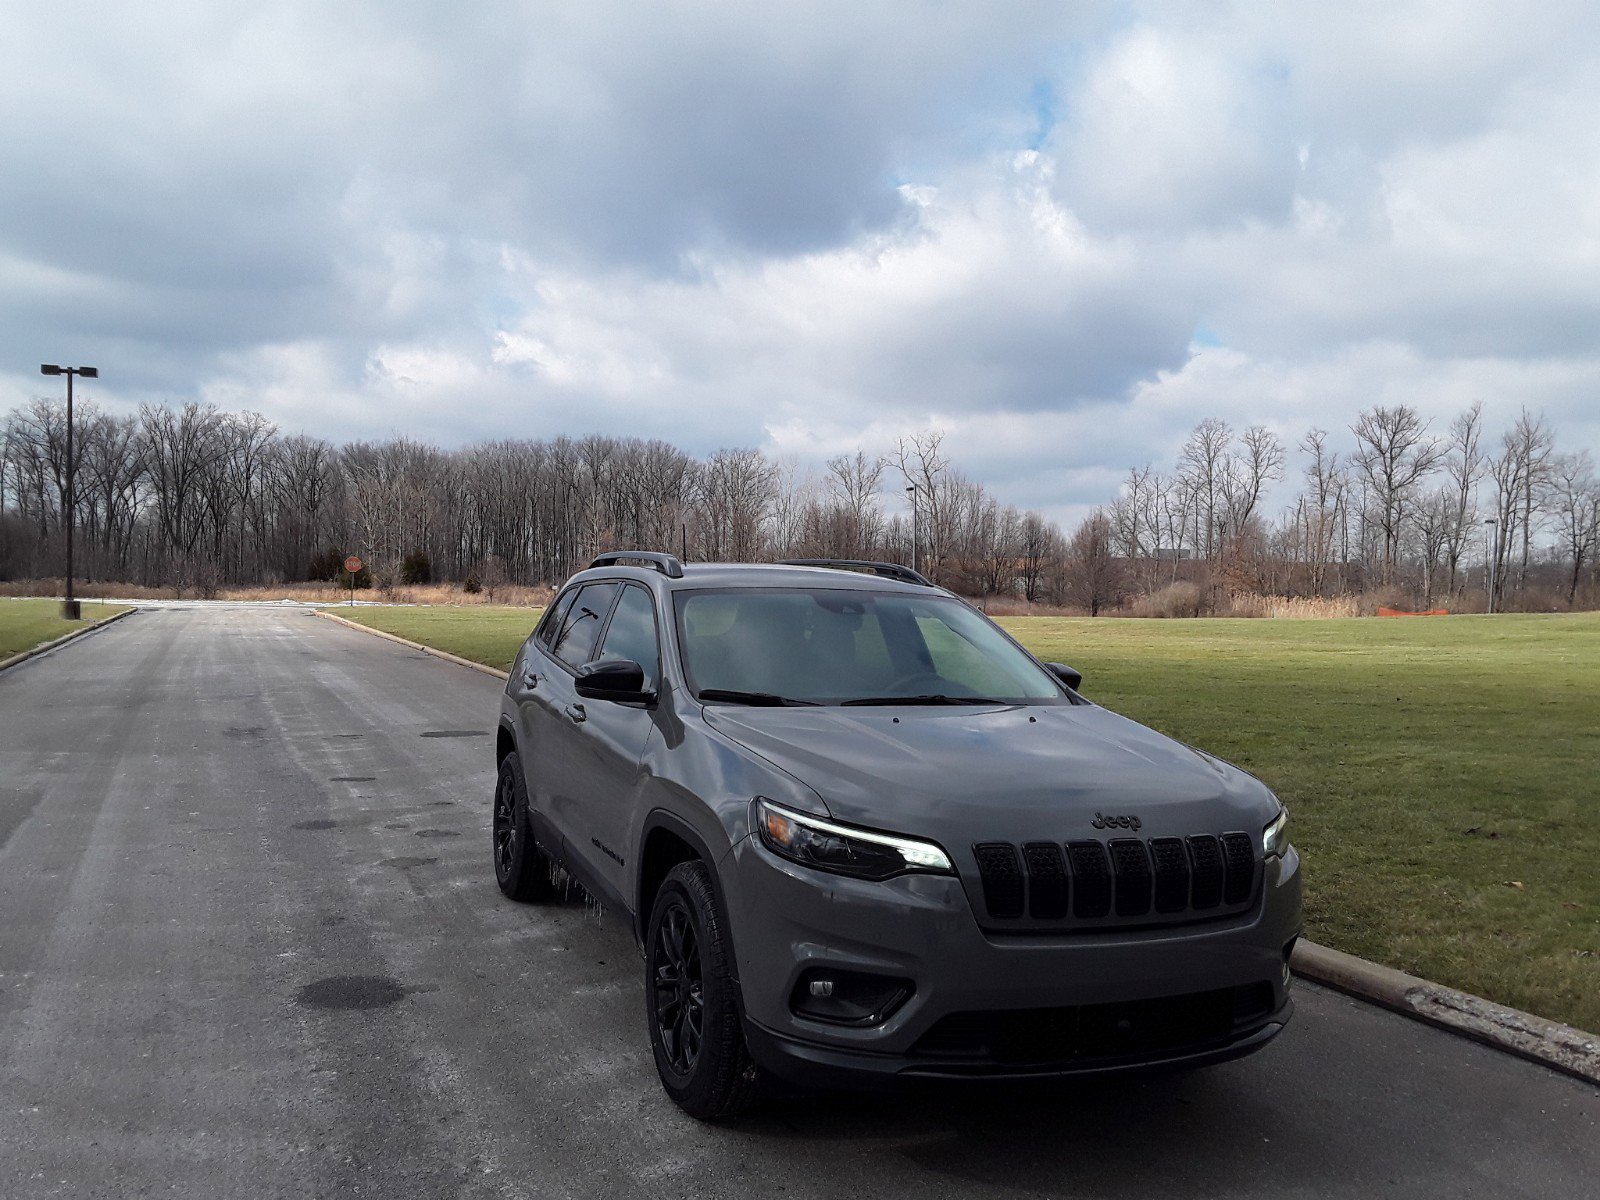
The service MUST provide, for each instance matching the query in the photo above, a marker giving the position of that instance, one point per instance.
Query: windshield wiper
(928, 699)
(757, 699)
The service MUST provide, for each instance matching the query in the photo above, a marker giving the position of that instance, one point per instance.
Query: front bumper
(788, 920)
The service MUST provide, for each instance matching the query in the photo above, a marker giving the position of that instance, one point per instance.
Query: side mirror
(612, 679)
(1073, 679)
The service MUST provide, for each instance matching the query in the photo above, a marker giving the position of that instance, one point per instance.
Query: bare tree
(1394, 453)
(1465, 463)
(1575, 497)
(1093, 577)
(1203, 464)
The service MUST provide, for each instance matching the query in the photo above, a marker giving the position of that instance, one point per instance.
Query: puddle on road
(351, 991)
(318, 824)
(444, 733)
(243, 731)
(406, 861)
(351, 778)
(437, 833)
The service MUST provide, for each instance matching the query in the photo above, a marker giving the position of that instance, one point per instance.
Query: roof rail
(667, 564)
(887, 570)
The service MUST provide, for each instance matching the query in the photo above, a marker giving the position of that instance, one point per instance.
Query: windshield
(825, 646)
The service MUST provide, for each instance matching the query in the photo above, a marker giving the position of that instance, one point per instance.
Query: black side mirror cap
(1073, 679)
(612, 679)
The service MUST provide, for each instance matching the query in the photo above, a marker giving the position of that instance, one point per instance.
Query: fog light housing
(847, 997)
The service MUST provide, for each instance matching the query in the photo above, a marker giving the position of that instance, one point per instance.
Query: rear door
(562, 763)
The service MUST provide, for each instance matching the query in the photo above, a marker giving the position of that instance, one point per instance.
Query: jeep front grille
(1163, 879)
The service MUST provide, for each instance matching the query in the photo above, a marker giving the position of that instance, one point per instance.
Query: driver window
(632, 634)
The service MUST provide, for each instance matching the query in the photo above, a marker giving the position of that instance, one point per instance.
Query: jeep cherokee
(862, 835)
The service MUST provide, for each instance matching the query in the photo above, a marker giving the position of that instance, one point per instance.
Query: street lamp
(912, 489)
(69, 606)
(1492, 553)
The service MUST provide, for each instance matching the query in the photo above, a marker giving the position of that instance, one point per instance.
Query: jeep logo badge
(1104, 822)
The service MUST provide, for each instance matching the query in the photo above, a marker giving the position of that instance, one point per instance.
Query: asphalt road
(250, 945)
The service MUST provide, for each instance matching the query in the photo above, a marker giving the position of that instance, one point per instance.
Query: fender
(661, 818)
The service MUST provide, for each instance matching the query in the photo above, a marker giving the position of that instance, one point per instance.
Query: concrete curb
(16, 660)
(455, 658)
(1549, 1043)
(1545, 1042)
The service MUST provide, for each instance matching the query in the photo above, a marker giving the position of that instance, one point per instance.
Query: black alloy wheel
(696, 1030)
(520, 867)
(680, 991)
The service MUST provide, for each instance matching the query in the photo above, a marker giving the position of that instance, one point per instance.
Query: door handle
(575, 711)
(530, 679)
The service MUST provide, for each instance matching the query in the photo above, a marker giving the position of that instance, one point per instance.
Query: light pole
(913, 492)
(1492, 551)
(69, 606)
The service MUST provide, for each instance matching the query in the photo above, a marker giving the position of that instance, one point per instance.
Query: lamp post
(69, 606)
(1492, 552)
(912, 491)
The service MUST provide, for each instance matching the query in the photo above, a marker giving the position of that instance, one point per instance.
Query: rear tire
(520, 867)
(690, 1001)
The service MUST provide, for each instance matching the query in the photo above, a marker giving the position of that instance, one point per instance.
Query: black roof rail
(667, 564)
(887, 570)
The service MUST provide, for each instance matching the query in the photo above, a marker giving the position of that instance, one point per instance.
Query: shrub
(328, 565)
(1180, 599)
(471, 586)
(417, 567)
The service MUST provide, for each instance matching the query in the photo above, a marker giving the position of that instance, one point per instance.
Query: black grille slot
(1002, 878)
(1206, 858)
(1091, 877)
(1047, 881)
(1131, 866)
(1241, 867)
(1172, 874)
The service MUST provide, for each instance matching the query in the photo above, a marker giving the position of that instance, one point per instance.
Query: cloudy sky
(1064, 233)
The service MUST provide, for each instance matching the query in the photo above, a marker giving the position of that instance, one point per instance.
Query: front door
(617, 734)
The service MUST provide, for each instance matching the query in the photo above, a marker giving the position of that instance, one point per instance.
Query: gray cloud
(808, 228)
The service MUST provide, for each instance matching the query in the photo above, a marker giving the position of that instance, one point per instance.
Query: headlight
(1275, 837)
(829, 847)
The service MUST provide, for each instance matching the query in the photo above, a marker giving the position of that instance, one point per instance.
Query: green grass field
(1443, 774)
(25, 624)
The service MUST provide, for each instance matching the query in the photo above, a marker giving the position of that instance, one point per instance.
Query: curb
(455, 658)
(1548, 1043)
(16, 660)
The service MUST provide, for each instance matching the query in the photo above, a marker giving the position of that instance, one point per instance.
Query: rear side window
(580, 627)
(551, 625)
(632, 634)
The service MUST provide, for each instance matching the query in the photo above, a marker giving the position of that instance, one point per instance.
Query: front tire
(520, 867)
(695, 1027)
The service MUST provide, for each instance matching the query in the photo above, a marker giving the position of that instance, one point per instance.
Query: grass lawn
(24, 624)
(485, 633)
(1430, 764)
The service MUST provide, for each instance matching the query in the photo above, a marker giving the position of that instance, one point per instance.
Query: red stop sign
(352, 564)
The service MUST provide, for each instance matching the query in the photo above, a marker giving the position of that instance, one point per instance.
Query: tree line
(201, 498)
(1394, 505)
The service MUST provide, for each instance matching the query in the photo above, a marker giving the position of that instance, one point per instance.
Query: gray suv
(862, 836)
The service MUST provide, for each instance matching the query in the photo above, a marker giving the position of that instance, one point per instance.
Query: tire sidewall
(511, 771)
(710, 1085)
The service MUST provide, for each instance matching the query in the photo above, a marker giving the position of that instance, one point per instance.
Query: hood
(1017, 774)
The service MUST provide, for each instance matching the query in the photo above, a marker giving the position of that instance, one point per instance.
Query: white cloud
(811, 229)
